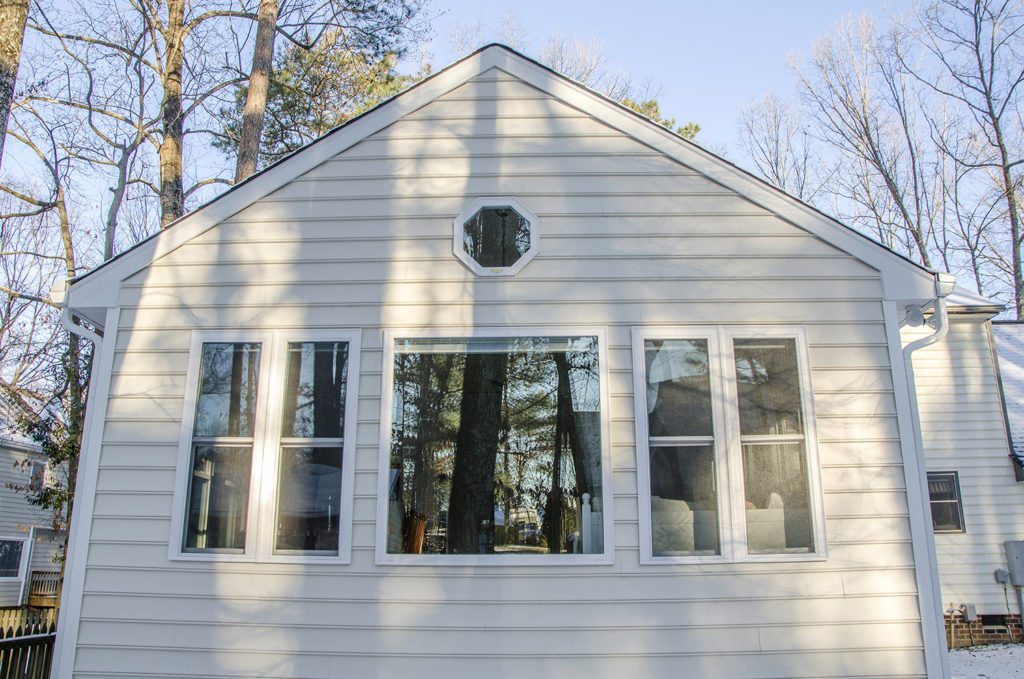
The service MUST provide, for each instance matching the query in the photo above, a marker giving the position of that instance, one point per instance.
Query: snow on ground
(991, 662)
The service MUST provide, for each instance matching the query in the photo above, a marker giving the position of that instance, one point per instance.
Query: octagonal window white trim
(494, 202)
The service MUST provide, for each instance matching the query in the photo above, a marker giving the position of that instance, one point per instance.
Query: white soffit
(901, 278)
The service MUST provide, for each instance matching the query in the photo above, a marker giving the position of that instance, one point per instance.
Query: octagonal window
(495, 236)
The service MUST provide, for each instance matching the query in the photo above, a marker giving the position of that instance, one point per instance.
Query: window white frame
(23, 561)
(958, 501)
(459, 223)
(263, 495)
(382, 557)
(728, 445)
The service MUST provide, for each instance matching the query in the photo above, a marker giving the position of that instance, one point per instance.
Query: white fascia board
(901, 278)
(99, 290)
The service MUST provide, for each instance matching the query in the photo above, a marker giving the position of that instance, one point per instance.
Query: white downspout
(944, 284)
(62, 659)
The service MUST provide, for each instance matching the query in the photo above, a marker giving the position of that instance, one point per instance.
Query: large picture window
(495, 448)
(268, 471)
(725, 461)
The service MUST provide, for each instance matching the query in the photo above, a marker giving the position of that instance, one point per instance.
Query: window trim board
(955, 475)
(381, 555)
(732, 522)
(261, 513)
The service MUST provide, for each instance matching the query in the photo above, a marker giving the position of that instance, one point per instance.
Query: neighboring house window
(266, 448)
(37, 478)
(496, 452)
(726, 450)
(11, 551)
(947, 507)
(496, 236)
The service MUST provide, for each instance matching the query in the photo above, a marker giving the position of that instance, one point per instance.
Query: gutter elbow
(68, 321)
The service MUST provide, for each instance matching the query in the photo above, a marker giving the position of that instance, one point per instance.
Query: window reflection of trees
(494, 444)
(496, 236)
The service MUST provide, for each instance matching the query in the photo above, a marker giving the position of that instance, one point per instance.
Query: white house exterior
(978, 503)
(209, 538)
(27, 543)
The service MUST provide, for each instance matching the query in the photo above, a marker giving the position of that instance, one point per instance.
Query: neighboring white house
(330, 409)
(977, 502)
(27, 542)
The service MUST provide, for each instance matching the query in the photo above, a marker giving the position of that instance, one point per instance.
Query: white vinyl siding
(964, 431)
(630, 238)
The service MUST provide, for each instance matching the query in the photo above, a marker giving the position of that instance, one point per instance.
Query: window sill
(274, 559)
(553, 560)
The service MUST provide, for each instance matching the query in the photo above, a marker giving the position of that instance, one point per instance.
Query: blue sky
(708, 58)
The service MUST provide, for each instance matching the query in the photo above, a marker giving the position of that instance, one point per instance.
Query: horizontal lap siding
(963, 426)
(628, 238)
(17, 516)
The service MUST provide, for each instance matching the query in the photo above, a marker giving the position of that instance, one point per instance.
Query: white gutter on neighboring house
(944, 285)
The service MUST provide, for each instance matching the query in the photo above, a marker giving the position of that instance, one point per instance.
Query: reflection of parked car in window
(525, 525)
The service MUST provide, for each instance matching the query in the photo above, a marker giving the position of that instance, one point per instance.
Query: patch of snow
(1005, 661)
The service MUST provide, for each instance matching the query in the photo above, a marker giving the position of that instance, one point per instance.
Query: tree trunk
(256, 98)
(172, 191)
(13, 15)
(471, 508)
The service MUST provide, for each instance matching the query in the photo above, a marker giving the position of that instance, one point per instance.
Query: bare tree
(587, 63)
(189, 52)
(867, 109)
(778, 142)
(978, 46)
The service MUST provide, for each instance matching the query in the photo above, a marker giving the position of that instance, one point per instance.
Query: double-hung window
(266, 466)
(946, 504)
(726, 453)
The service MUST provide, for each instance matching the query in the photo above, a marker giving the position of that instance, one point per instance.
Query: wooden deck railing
(42, 588)
(26, 657)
